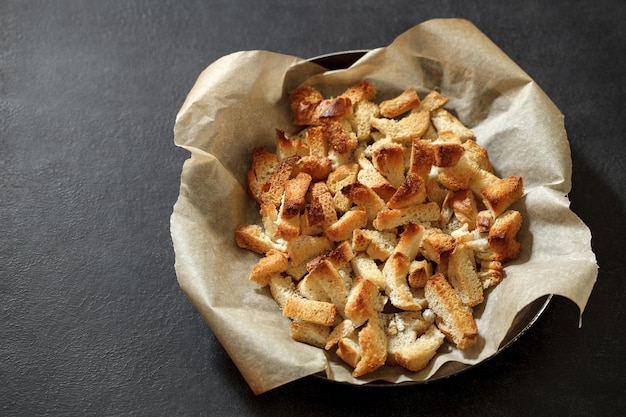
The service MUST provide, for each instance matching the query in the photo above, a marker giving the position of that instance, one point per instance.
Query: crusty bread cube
(463, 277)
(318, 312)
(310, 333)
(413, 126)
(453, 319)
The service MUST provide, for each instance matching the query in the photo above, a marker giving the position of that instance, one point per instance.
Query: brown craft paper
(239, 101)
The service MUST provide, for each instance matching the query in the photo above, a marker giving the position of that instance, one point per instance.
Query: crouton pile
(382, 226)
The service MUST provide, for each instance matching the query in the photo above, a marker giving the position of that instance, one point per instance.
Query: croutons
(382, 225)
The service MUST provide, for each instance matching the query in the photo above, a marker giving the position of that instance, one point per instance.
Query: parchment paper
(239, 100)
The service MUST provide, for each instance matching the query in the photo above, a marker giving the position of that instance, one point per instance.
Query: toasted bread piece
(436, 245)
(388, 159)
(370, 176)
(252, 237)
(342, 330)
(342, 176)
(463, 276)
(432, 101)
(449, 137)
(373, 344)
(444, 120)
(410, 193)
(288, 224)
(491, 273)
(446, 154)
(329, 279)
(273, 262)
(413, 126)
(310, 108)
(342, 229)
(413, 348)
(263, 165)
(366, 268)
(400, 104)
(316, 141)
(459, 176)
(294, 196)
(502, 236)
(389, 219)
(322, 207)
(302, 249)
(410, 240)
(319, 312)
(272, 191)
(363, 196)
(499, 196)
(363, 112)
(282, 288)
(312, 219)
(402, 329)
(419, 272)
(361, 91)
(395, 272)
(478, 155)
(339, 136)
(309, 333)
(304, 94)
(377, 244)
(317, 167)
(349, 351)
(286, 147)
(459, 324)
(435, 191)
(363, 302)
(305, 101)
(339, 107)
(463, 203)
(422, 158)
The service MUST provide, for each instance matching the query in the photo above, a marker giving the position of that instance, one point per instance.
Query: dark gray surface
(92, 321)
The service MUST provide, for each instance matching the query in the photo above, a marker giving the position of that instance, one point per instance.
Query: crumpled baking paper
(239, 101)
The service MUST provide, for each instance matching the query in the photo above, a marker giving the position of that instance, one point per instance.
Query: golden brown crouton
(400, 104)
(373, 344)
(410, 193)
(319, 312)
(363, 301)
(263, 165)
(361, 91)
(388, 159)
(355, 218)
(286, 147)
(273, 262)
(463, 277)
(419, 272)
(432, 101)
(464, 205)
(252, 237)
(413, 350)
(503, 236)
(437, 246)
(422, 158)
(389, 219)
(459, 324)
(309, 333)
(444, 120)
(413, 126)
(499, 196)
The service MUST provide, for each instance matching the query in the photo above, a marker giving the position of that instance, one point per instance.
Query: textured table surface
(92, 320)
